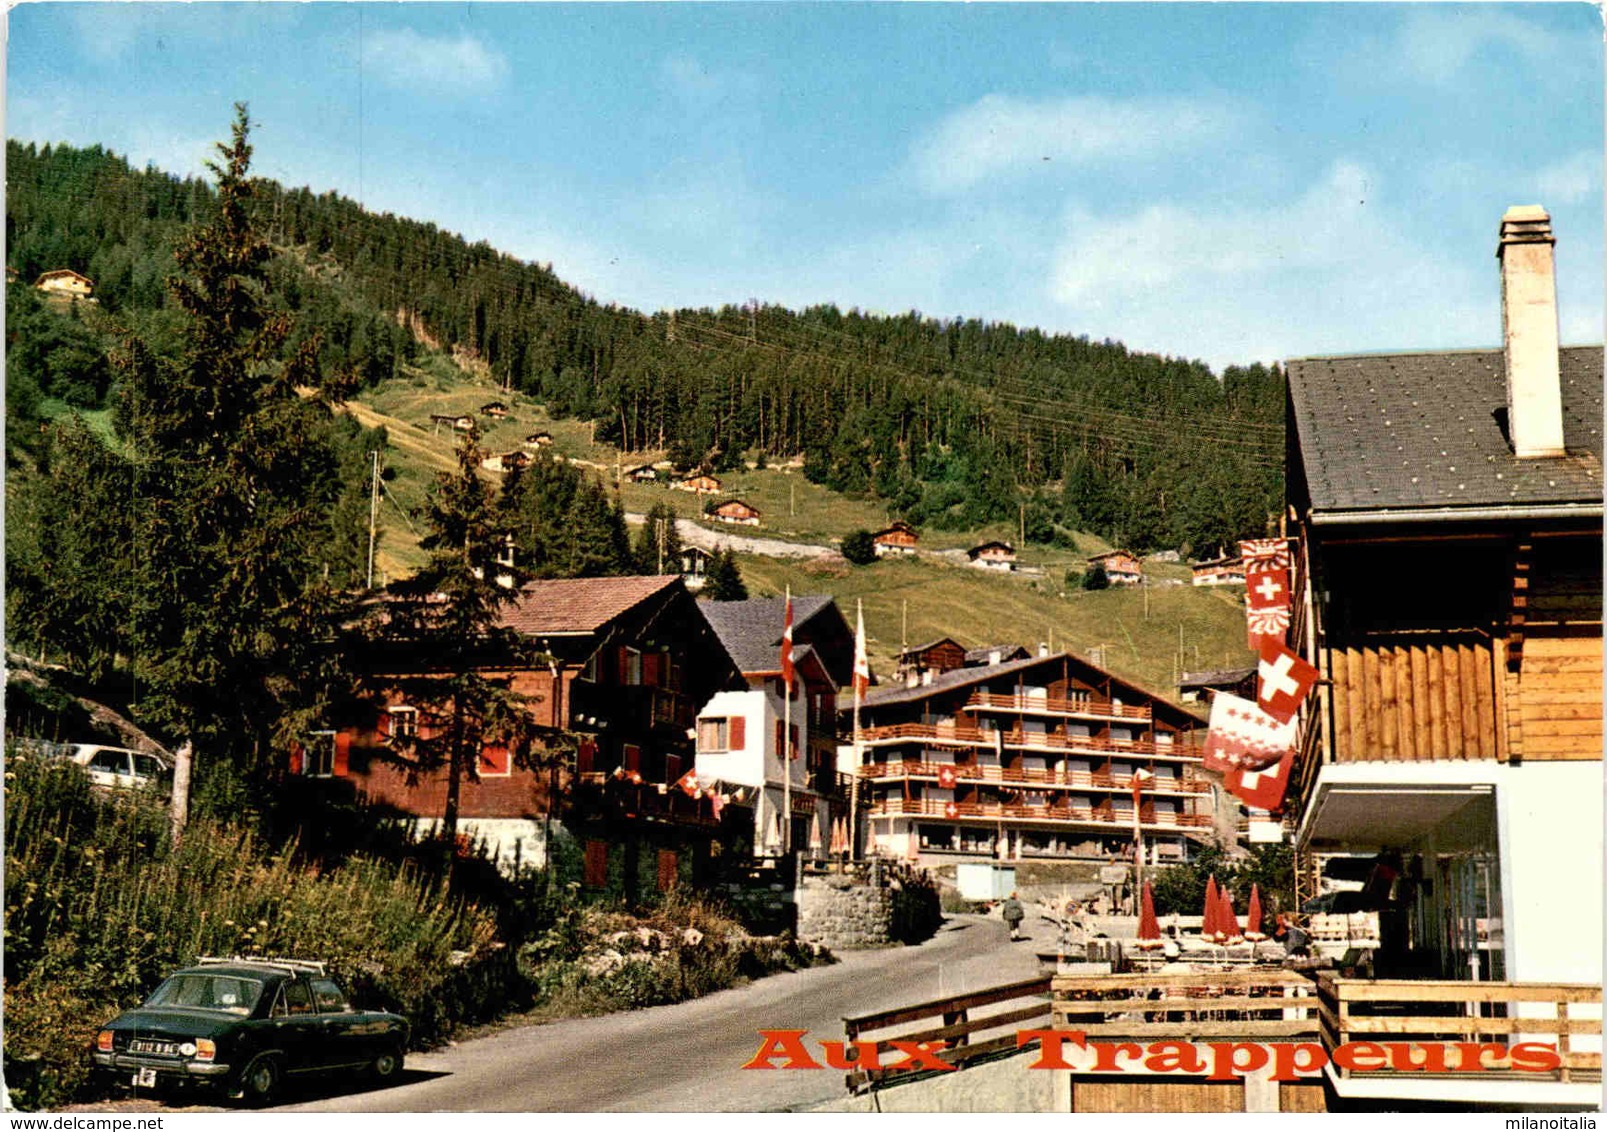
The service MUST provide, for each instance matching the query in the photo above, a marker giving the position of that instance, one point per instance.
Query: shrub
(1096, 579)
(859, 547)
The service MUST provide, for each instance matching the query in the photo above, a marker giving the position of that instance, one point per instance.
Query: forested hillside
(951, 423)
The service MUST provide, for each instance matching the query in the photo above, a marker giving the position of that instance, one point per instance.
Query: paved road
(688, 1057)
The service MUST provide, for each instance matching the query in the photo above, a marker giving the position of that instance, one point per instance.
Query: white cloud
(1331, 271)
(456, 64)
(1437, 45)
(1001, 136)
(1571, 180)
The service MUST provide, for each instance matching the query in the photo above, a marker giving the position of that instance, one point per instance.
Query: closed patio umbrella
(1252, 918)
(1213, 910)
(1149, 929)
(1228, 926)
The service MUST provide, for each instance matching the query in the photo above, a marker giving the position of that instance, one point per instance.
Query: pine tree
(446, 618)
(658, 543)
(724, 582)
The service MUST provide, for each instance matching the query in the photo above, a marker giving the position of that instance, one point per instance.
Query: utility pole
(373, 515)
(660, 523)
(792, 497)
(1023, 525)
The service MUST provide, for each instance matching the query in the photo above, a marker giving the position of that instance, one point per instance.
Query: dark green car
(245, 1026)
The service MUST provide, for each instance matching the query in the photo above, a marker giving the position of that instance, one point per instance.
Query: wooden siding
(1557, 706)
(1415, 698)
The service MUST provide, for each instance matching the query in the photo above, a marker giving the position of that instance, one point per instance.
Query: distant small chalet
(736, 511)
(1122, 567)
(900, 538)
(65, 283)
(1219, 572)
(1000, 556)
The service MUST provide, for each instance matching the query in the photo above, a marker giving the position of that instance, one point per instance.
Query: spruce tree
(724, 581)
(446, 620)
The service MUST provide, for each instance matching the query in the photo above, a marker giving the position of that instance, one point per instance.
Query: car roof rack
(303, 966)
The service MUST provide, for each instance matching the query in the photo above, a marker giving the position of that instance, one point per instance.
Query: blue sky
(1232, 182)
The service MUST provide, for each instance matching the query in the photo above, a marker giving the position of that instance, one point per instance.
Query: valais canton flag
(1243, 737)
(1283, 680)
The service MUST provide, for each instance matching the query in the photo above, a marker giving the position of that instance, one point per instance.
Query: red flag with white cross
(1243, 737)
(1283, 681)
(1266, 605)
(1261, 789)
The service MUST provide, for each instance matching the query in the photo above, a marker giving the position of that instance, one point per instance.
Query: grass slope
(938, 600)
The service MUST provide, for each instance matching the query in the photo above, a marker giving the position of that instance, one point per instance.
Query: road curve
(688, 1057)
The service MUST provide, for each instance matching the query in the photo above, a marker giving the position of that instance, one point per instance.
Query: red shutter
(624, 665)
(494, 759)
(738, 737)
(794, 737)
(585, 757)
(650, 669)
(633, 757)
(343, 744)
(384, 725)
(298, 759)
(778, 738)
(669, 869)
(672, 768)
(596, 864)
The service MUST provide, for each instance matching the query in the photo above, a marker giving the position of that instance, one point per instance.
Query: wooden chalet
(505, 461)
(538, 440)
(1219, 572)
(1450, 595)
(643, 473)
(495, 409)
(1029, 758)
(461, 422)
(899, 538)
(632, 661)
(1122, 567)
(932, 657)
(65, 283)
(1000, 556)
(736, 511)
(1196, 687)
(694, 566)
(699, 485)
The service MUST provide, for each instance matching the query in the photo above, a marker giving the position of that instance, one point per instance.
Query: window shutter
(624, 665)
(633, 757)
(596, 864)
(738, 734)
(494, 759)
(672, 768)
(343, 744)
(585, 757)
(650, 663)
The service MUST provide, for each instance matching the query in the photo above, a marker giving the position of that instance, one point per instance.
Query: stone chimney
(1529, 332)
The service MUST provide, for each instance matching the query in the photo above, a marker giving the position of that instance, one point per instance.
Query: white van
(119, 767)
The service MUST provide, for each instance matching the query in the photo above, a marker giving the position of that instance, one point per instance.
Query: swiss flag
(950, 810)
(786, 647)
(861, 659)
(1243, 737)
(1262, 789)
(1266, 604)
(688, 784)
(946, 777)
(1283, 681)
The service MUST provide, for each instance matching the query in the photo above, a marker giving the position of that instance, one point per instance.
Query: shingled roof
(751, 630)
(579, 605)
(1425, 432)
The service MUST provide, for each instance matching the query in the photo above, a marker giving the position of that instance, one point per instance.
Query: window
(403, 722)
(321, 753)
(329, 998)
(713, 735)
(630, 666)
(110, 762)
(495, 761)
(294, 998)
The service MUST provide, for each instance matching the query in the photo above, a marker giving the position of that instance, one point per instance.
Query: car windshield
(229, 994)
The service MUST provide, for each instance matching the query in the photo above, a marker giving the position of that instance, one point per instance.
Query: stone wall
(844, 912)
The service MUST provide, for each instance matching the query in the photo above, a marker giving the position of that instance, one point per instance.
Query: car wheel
(387, 1067)
(259, 1086)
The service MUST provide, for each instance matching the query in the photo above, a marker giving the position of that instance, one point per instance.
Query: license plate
(145, 1079)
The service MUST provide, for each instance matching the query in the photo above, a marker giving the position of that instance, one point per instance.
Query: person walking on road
(1013, 915)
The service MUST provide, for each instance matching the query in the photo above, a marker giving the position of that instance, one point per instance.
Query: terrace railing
(1044, 705)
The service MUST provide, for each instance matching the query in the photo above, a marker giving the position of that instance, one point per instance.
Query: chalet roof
(1006, 653)
(1227, 560)
(579, 605)
(897, 528)
(1417, 431)
(738, 503)
(751, 630)
(961, 677)
(1216, 678)
(913, 649)
(63, 272)
(1112, 554)
(981, 546)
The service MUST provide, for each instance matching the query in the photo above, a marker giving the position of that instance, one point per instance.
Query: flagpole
(1138, 842)
(786, 741)
(859, 749)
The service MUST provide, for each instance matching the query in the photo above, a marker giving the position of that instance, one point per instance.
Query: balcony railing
(1410, 1010)
(991, 811)
(1043, 705)
(1030, 740)
(1078, 778)
(1269, 1005)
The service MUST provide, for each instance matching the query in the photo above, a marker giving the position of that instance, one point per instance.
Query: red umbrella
(1228, 926)
(1252, 918)
(1149, 929)
(1208, 922)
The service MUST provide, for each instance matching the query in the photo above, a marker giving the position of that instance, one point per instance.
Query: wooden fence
(1269, 1005)
(967, 1032)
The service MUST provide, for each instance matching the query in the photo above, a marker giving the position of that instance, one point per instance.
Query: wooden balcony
(1087, 707)
(1401, 1010)
(954, 735)
(1016, 775)
(1070, 815)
